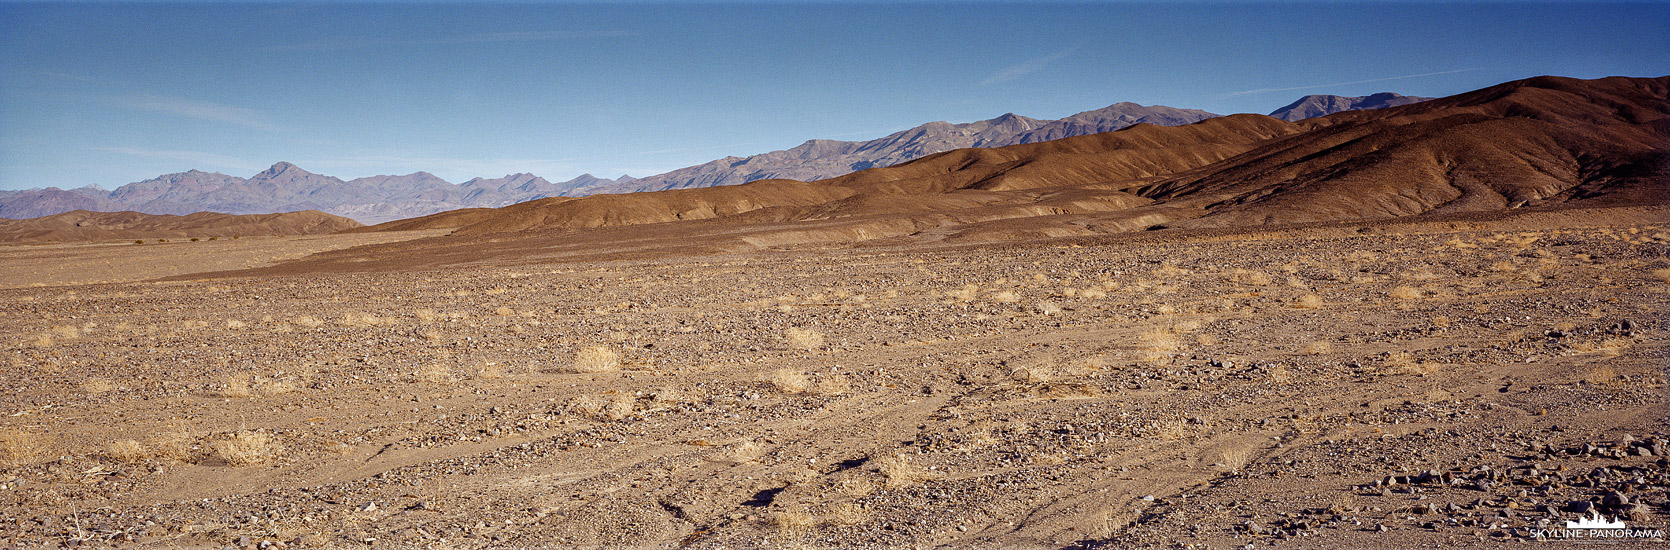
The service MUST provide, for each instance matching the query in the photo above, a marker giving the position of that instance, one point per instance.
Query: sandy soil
(124, 261)
(1402, 387)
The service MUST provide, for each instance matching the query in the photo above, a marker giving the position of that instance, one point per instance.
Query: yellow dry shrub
(803, 338)
(245, 448)
(126, 450)
(790, 381)
(1248, 277)
(900, 472)
(595, 359)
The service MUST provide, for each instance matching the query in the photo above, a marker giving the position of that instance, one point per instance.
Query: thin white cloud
(1018, 70)
(198, 159)
(201, 110)
(1371, 80)
(350, 43)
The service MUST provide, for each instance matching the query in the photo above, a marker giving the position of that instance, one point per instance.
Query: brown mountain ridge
(1545, 141)
(82, 225)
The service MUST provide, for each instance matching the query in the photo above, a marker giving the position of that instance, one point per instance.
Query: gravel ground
(1306, 389)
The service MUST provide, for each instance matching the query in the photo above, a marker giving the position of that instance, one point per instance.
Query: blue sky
(108, 94)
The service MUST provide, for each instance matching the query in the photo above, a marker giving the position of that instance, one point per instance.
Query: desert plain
(1469, 381)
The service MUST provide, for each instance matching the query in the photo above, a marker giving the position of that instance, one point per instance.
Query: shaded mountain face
(1312, 106)
(1539, 143)
(819, 159)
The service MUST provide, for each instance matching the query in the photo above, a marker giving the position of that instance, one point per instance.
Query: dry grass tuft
(1280, 375)
(1160, 340)
(434, 373)
(17, 446)
(1308, 301)
(276, 387)
(795, 525)
(1005, 297)
(1318, 347)
(855, 487)
(848, 514)
(1167, 269)
(1248, 277)
(489, 371)
(246, 448)
(618, 407)
(126, 450)
(803, 338)
(1046, 307)
(1405, 293)
(1233, 460)
(834, 384)
(966, 294)
(1603, 376)
(595, 359)
(790, 381)
(1662, 274)
(900, 472)
(97, 386)
(236, 386)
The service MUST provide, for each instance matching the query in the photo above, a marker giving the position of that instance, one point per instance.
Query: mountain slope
(81, 225)
(1312, 106)
(820, 159)
(1538, 142)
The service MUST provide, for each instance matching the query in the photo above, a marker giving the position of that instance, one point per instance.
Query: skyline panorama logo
(1599, 528)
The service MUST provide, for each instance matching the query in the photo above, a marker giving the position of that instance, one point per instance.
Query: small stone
(1579, 506)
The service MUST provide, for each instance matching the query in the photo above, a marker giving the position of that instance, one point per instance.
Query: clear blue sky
(107, 94)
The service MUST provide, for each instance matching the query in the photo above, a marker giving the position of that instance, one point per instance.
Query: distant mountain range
(1312, 106)
(286, 188)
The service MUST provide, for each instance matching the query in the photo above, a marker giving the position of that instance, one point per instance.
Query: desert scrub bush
(18, 446)
(834, 384)
(489, 371)
(236, 386)
(1308, 301)
(794, 525)
(1318, 347)
(1005, 297)
(98, 386)
(1168, 269)
(595, 359)
(803, 338)
(1248, 277)
(126, 450)
(901, 473)
(246, 448)
(848, 514)
(234, 324)
(855, 487)
(616, 407)
(790, 381)
(1405, 293)
(1233, 460)
(745, 452)
(1046, 307)
(434, 373)
(306, 321)
(1662, 274)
